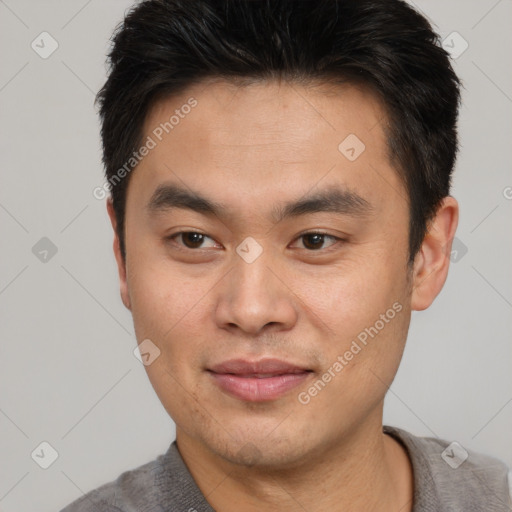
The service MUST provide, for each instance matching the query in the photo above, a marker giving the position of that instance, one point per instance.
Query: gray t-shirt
(444, 481)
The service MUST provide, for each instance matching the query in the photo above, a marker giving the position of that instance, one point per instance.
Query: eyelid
(318, 231)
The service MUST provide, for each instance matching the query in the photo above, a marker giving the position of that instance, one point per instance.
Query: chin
(264, 452)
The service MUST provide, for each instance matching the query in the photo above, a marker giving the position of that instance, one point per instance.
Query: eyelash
(325, 235)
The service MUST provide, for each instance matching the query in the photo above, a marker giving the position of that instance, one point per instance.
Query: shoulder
(455, 477)
(161, 485)
(133, 490)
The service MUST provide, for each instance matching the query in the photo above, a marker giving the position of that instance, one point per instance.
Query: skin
(252, 148)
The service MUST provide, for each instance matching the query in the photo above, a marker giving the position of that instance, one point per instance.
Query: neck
(366, 470)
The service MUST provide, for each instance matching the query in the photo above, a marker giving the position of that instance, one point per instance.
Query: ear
(433, 259)
(121, 265)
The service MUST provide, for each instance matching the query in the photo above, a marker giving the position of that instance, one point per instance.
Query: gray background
(68, 375)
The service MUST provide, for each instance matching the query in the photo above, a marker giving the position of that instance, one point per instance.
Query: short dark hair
(165, 46)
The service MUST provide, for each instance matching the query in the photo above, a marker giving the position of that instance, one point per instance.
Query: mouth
(258, 381)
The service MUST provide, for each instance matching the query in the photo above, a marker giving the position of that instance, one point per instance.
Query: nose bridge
(252, 279)
(253, 296)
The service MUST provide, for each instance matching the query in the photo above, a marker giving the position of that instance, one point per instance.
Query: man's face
(303, 300)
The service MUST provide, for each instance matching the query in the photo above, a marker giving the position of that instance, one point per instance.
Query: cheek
(366, 309)
(158, 289)
(359, 370)
(351, 296)
(168, 307)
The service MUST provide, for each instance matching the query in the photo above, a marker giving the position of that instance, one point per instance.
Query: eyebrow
(334, 200)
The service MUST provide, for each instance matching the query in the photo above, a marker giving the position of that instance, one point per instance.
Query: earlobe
(121, 264)
(433, 259)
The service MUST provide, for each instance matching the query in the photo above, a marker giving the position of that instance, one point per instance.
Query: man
(280, 175)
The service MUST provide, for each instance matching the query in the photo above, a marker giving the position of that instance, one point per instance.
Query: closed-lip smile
(260, 380)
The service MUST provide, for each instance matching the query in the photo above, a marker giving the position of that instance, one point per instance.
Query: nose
(255, 296)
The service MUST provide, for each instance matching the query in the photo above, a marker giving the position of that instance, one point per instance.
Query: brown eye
(190, 239)
(315, 241)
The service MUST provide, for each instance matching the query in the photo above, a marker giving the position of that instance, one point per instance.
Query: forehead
(267, 139)
(270, 112)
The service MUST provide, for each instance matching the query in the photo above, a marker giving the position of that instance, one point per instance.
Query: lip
(258, 381)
